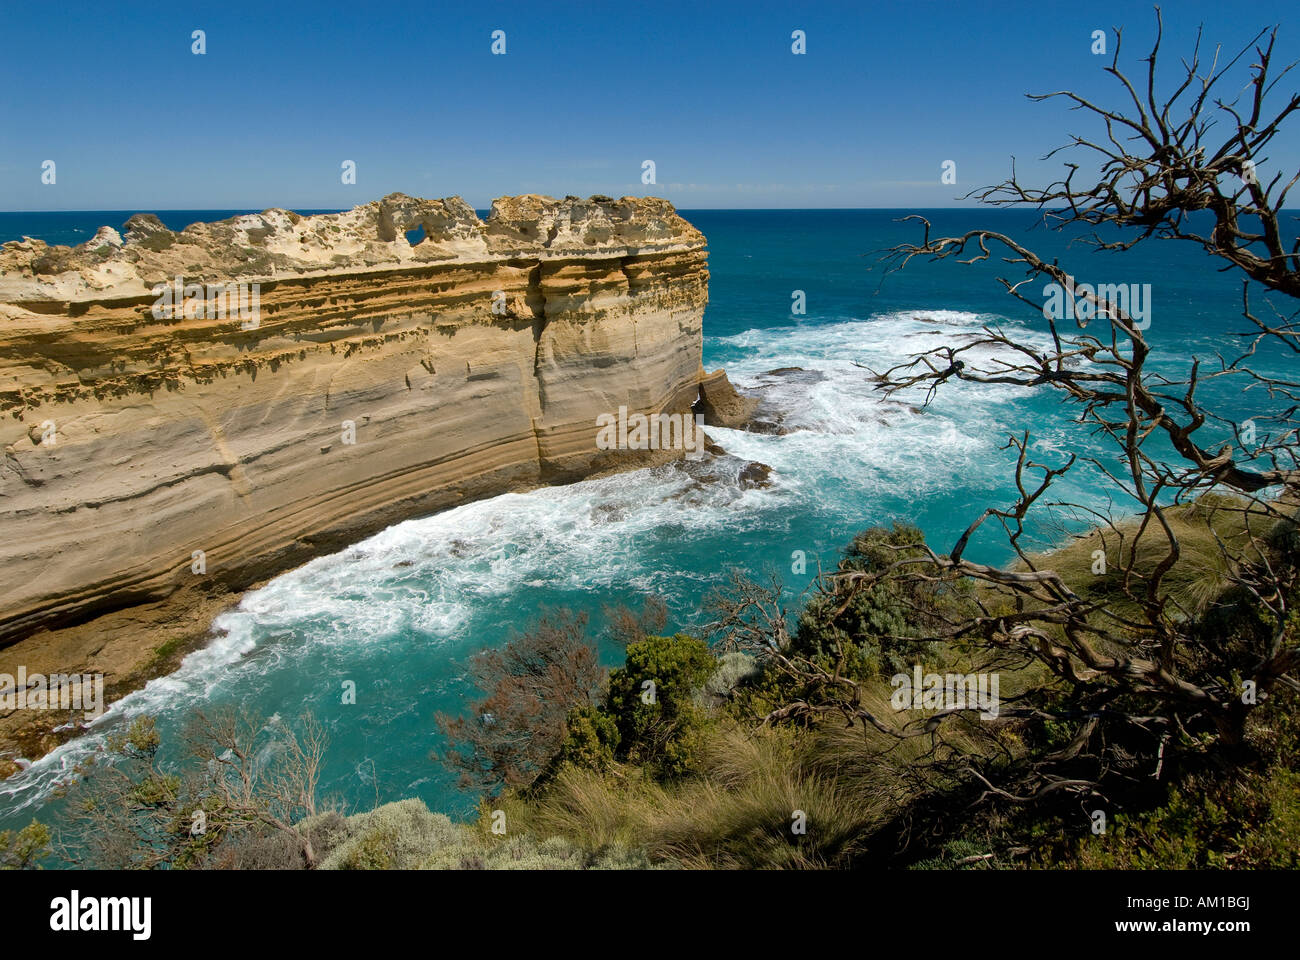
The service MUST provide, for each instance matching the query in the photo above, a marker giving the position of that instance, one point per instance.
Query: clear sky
(411, 92)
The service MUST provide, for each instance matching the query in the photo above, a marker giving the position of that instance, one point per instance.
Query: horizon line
(984, 208)
(476, 209)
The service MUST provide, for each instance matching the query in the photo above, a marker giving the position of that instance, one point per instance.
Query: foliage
(751, 794)
(396, 836)
(882, 629)
(957, 855)
(734, 670)
(1208, 818)
(509, 738)
(272, 849)
(406, 835)
(591, 739)
(651, 701)
(24, 849)
(158, 241)
(626, 627)
(241, 776)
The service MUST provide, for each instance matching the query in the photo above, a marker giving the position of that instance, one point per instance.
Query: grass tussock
(1213, 533)
(754, 804)
(763, 798)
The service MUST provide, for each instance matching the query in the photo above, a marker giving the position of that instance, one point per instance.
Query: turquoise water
(400, 613)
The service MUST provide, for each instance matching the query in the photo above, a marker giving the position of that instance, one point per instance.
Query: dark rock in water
(755, 474)
(403, 563)
(721, 467)
(768, 427)
(720, 404)
(713, 448)
(786, 375)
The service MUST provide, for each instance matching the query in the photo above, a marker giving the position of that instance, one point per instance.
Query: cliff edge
(188, 413)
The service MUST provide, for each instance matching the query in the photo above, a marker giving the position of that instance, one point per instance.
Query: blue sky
(411, 92)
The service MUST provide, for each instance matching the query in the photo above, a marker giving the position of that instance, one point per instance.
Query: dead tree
(1130, 661)
(245, 777)
(1184, 168)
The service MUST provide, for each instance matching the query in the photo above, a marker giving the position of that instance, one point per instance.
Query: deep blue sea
(400, 613)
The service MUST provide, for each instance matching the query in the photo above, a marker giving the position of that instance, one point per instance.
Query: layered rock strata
(405, 357)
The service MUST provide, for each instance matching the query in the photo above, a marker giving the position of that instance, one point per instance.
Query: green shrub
(591, 739)
(158, 242)
(1252, 823)
(396, 836)
(734, 668)
(20, 850)
(881, 631)
(651, 699)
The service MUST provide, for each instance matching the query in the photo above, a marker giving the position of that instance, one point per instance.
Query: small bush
(651, 700)
(882, 629)
(734, 668)
(405, 835)
(22, 849)
(158, 242)
(513, 735)
(592, 738)
(396, 836)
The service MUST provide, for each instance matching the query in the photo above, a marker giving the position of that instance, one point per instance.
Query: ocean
(400, 613)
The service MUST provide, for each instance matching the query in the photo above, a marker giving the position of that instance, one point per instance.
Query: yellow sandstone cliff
(472, 362)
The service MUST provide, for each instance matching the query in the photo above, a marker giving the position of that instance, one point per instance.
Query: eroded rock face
(279, 243)
(472, 362)
(721, 405)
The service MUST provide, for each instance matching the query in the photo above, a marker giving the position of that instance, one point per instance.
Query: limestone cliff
(469, 362)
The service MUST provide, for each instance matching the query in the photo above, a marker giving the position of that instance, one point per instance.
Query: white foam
(428, 576)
